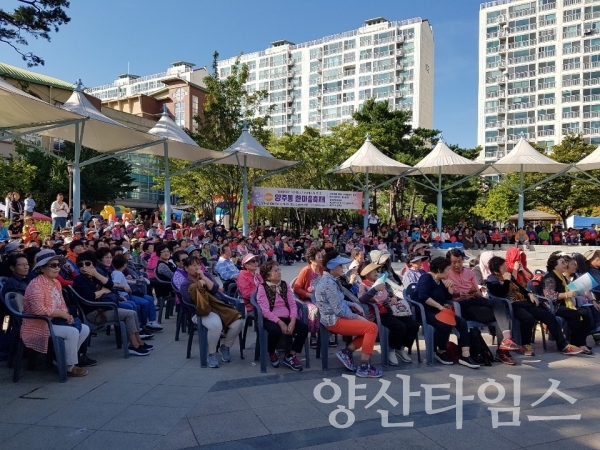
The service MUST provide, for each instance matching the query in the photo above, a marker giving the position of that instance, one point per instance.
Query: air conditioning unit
(587, 31)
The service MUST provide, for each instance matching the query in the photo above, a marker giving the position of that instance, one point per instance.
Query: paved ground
(165, 401)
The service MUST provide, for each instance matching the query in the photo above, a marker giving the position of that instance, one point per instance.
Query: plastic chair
(427, 329)
(119, 325)
(168, 300)
(14, 303)
(261, 334)
(203, 331)
(476, 324)
(181, 321)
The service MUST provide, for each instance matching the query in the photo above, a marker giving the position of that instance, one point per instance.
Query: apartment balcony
(365, 70)
(331, 102)
(499, 125)
(591, 65)
(333, 77)
(547, 6)
(547, 69)
(520, 75)
(494, 139)
(349, 73)
(315, 69)
(521, 44)
(572, 17)
(571, 82)
(571, 99)
(364, 83)
(547, 54)
(498, 19)
(491, 110)
(400, 38)
(522, 90)
(522, 13)
(492, 50)
(492, 35)
(571, 115)
(516, 106)
(592, 48)
(546, 23)
(591, 98)
(332, 51)
(546, 101)
(525, 121)
(547, 38)
(568, 130)
(571, 50)
(588, 131)
(546, 117)
(572, 66)
(593, 15)
(389, 80)
(571, 2)
(382, 68)
(521, 59)
(332, 90)
(364, 96)
(571, 34)
(400, 80)
(544, 133)
(503, 33)
(543, 86)
(496, 94)
(315, 94)
(591, 114)
(591, 82)
(522, 28)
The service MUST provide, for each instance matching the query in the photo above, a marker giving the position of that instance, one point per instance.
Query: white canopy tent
(526, 159)
(369, 160)
(177, 144)
(248, 153)
(443, 161)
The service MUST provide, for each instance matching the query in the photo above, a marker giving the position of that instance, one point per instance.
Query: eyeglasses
(22, 265)
(84, 264)
(53, 265)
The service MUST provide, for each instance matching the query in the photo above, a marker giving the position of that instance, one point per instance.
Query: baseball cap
(337, 261)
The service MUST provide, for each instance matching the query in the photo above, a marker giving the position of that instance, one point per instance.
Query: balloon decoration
(250, 206)
(362, 211)
(111, 212)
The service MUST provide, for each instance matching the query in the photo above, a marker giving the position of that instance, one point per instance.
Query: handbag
(63, 322)
(401, 309)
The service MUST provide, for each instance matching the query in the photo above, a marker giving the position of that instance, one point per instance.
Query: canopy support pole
(77, 171)
(366, 202)
(439, 200)
(244, 199)
(167, 185)
(521, 199)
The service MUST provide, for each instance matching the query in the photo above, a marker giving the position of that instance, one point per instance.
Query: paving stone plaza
(165, 401)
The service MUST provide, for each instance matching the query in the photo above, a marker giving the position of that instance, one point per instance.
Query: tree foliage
(35, 18)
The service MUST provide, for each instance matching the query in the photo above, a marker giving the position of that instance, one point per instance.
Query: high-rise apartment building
(539, 72)
(321, 83)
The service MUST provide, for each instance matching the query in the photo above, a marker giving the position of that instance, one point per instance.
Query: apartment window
(264, 62)
(349, 44)
(365, 40)
(366, 54)
(180, 114)
(264, 86)
(547, 19)
(571, 31)
(348, 97)
(195, 112)
(251, 65)
(349, 84)
(314, 53)
(225, 71)
(347, 110)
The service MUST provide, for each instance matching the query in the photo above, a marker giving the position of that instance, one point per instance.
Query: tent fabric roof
(444, 159)
(181, 145)
(590, 162)
(27, 75)
(369, 158)
(20, 108)
(534, 214)
(526, 158)
(249, 152)
(100, 132)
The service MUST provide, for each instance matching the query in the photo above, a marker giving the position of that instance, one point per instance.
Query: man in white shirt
(373, 223)
(29, 205)
(60, 211)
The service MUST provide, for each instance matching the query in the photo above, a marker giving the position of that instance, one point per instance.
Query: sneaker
(154, 326)
(443, 358)
(148, 346)
(508, 345)
(392, 358)
(369, 372)
(77, 372)
(87, 362)
(346, 360)
(587, 351)
(225, 356)
(145, 335)
(213, 362)
(274, 359)
(571, 350)
(293, 363)
(313, 342)
(403, 355)
(138, 351)
(527, 350)
(332, 341)
(505, 358)
(469, 362)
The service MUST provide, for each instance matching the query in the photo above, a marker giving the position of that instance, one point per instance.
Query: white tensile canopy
(248, 153)
(368, 159)
(443, 161)
(526, 159)
(590, 162)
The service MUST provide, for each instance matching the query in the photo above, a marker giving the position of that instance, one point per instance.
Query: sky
(105, 36)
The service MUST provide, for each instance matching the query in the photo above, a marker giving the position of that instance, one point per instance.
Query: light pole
(70, 170)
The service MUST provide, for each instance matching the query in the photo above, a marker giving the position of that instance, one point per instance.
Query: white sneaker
(195, 318)
(403, 355)
(393, 361)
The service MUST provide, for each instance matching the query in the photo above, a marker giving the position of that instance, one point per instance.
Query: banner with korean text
(306, 198)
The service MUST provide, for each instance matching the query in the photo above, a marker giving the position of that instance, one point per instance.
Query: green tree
(227, 106)
(35, 18)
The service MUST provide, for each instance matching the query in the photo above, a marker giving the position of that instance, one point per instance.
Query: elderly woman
(395, 313)
(304, 287)
(340, 317)
(556, 288)
(414, 269)
(278, 306)
(43, 297)
(516, 264)
(249, 279)
(589, 262)
(434, 291)
(527, 309)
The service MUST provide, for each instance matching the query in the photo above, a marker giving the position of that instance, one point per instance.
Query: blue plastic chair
(427, 329)
(119, 325)
(14, 303)
(203, 331)
(181, 316)
(164, 301)
(260, 350)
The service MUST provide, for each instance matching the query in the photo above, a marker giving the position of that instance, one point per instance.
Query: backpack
(453, 351)
(479, 350)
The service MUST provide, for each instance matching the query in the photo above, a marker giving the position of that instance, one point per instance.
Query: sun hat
(337, 261)
(45, 256)
(420, 246)
(189, 249)
(12, 246)
(446, 316)
(249, 257)
(413, 257)
(369, 268)
(589, 255)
